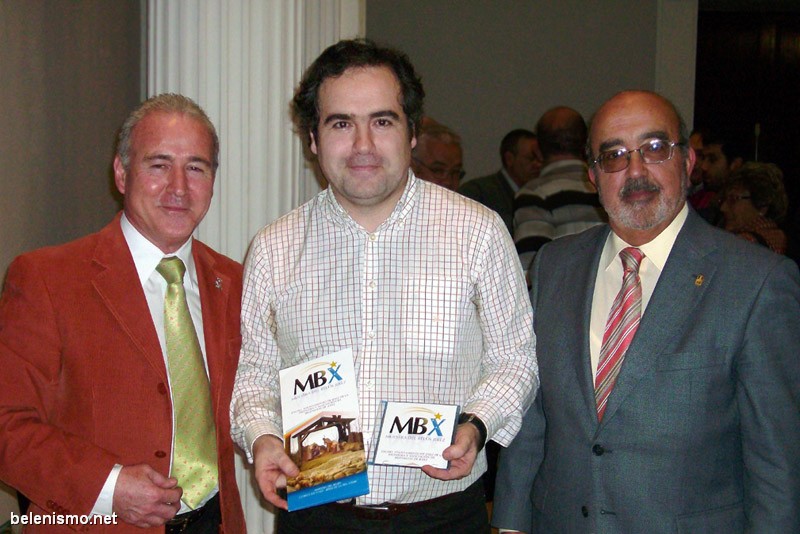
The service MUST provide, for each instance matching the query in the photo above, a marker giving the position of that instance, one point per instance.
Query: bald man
(667, 350)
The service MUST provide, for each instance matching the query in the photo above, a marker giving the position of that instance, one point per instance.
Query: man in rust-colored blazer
(86, 402)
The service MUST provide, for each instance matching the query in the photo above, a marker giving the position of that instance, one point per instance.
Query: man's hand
(461, 453)
(272, 467)
(144, 497)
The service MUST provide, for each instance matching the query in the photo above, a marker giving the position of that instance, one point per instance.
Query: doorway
(748, 85)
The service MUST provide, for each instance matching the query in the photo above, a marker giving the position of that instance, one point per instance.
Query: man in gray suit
(700, 431)
(522, 161)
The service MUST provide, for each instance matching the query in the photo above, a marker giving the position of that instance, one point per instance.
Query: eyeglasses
(653, 151)
(442, 173)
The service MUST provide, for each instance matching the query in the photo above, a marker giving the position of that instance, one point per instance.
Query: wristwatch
(476, 421)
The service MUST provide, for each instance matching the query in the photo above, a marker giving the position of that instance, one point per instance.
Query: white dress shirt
(146, 257)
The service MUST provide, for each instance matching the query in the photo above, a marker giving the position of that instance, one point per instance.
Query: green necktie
(194, 459)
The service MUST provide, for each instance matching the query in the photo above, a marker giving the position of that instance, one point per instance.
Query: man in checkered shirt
(421, 283)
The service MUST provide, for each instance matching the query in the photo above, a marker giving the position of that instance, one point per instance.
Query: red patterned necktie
(623, 320)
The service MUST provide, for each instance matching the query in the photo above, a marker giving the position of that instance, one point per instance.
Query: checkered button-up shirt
(433, 304)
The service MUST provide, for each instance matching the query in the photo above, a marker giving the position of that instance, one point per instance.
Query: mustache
(636, 185)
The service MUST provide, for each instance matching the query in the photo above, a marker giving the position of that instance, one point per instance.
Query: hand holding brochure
(322, 433)
(414, 434)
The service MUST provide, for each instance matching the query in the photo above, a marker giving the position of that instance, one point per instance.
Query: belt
(180, 522)
(386, 510)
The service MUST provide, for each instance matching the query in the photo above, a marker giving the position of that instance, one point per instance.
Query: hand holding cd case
(414, 434)
(322, 434)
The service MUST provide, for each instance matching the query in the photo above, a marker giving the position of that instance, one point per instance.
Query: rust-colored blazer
(83, 385)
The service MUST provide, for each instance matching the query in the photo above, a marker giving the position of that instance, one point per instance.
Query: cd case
(414, 434)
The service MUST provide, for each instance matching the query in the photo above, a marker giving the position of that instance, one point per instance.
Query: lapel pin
(218, 283)
(699, 279)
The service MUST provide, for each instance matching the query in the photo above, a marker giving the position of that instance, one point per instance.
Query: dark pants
(462, 512)
(492, 452)
(207, 521)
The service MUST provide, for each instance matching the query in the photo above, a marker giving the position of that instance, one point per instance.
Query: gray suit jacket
(702, 430)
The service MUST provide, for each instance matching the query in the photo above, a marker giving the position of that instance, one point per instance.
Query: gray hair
(437, 131)
(166, 103)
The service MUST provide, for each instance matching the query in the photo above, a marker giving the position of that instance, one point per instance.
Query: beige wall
(71, 72)
(490, 66)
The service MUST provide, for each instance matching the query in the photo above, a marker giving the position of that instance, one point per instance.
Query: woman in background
(753, 202)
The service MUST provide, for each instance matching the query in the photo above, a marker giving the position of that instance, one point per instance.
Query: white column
(240, 60)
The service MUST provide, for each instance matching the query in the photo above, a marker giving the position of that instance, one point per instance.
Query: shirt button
(372, 237)
(161, 454)
(369, 385)
(371, 284)
(371, 334)
(598, 450)
(584, 511)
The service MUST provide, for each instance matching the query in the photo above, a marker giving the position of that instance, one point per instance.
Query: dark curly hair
(347, 54)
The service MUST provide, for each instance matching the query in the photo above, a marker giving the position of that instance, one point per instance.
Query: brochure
(414, 434)
(322, 434)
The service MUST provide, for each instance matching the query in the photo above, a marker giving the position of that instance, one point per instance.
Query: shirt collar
(510, 180)
(404, 205)
(657, 250)
(146, 255)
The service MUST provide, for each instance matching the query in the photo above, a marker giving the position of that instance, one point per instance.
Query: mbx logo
(318, 378)
(417, 425)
